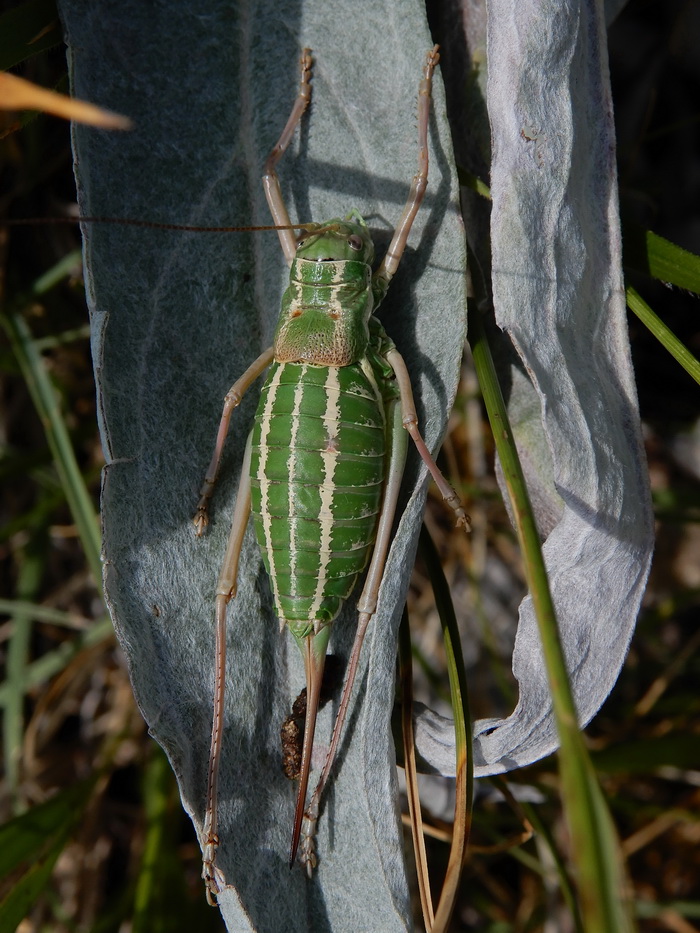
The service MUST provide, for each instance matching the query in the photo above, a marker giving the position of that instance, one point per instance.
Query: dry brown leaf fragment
(18, 94)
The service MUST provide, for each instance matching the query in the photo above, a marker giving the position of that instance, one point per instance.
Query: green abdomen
(317, 474)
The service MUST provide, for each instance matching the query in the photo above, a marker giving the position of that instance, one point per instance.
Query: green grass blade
(66, 337)
(25, 891)
(39, 671)
(47, 405)
(411, 772)
(165, 898)
(30, 846)
(464, 790)
(151, 892)
(595, 849)
(26, 30)
(653, 255)
(663, 334)
(474, 183)
(567, 890)
(24, 837)
(66, 266)
(44, 614)
(30, 574)
(672, 264)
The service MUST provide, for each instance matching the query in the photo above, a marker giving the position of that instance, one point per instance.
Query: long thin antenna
(128, 222)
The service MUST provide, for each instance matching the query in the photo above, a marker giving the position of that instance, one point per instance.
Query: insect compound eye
(355, 242)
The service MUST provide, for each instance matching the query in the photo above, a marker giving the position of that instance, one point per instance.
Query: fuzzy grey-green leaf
(176, 318)
(558, 292)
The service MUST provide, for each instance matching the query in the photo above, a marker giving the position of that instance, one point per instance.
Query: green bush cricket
(324, 461)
